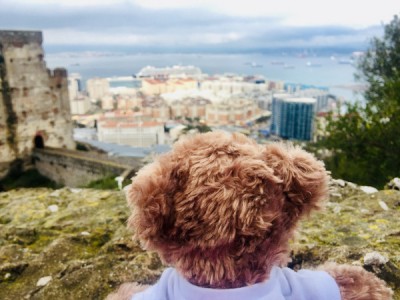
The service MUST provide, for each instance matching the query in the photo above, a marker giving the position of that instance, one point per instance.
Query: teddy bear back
(221, 208)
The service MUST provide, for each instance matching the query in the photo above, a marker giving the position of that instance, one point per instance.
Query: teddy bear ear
(150, 198)
(304, 178)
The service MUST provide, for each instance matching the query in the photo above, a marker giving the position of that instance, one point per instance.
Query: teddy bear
(220, 210)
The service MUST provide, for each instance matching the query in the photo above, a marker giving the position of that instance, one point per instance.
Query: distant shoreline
(352, 87)
(330, 74)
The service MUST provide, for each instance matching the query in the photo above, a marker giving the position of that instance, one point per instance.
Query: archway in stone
(38, 142)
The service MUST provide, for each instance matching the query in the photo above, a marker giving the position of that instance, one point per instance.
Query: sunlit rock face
(73, 243)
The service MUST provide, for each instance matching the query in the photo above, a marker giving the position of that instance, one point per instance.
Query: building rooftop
(300, 100)
(154, 81)
(167, 71)
(126, 151)
(282, 95)
(120, 113)
(115, 124)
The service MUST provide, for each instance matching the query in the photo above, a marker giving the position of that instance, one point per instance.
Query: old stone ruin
(34, 106)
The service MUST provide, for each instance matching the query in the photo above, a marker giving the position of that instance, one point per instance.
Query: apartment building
(232, 111)
(293, 117)
(97, 88)
(133, 133)
(158, 86)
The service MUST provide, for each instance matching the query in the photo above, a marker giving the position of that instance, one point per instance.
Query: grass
(106, 183)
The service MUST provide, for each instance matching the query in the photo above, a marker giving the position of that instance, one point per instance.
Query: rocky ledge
(73, 244)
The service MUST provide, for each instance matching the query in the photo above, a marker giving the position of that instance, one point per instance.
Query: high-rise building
(276, 111)
(322, 97)
(292, 118)
(74, 85)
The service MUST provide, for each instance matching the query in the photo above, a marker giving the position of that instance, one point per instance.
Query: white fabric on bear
(283, 284)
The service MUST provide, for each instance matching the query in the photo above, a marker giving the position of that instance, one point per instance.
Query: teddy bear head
(221, 208)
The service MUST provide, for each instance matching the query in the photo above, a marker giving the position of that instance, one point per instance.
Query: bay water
(333, 72)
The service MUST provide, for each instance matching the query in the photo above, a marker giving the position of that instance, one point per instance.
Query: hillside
(73, 244)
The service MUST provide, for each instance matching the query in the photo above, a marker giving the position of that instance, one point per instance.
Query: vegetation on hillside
(364, 142)
(28, 179)
(196, 125)
(106, 183)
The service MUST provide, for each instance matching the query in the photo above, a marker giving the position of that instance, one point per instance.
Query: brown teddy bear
(220, 210)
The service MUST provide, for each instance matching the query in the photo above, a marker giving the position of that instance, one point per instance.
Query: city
(158, 105)
(144, 114)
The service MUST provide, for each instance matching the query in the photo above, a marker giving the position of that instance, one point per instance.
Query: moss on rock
(76, 236)
(353, 224)
(79, 238)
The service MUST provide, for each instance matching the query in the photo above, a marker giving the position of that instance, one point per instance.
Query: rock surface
(84, 247)
(356, 227)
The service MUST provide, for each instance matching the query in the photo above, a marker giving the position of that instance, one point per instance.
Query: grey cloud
(175, 27)
(107, 18)
(309, 36)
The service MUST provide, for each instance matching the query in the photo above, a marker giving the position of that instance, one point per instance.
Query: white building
(322, 97)
(107, 102)
(174, 71)
(97, 88)
(138, 134)
(80, 105)
(264, 100)
(74, 85)
(232, 86)
(157, 86)
(232, 111)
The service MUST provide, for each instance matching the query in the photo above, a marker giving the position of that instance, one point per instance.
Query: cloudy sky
(199, 24)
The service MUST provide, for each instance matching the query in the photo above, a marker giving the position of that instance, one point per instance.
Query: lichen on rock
(87, 251)
(353, 225)
(84, 245)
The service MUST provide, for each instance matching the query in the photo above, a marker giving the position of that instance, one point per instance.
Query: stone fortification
(20, 38)
(34, 106)
(59, 164)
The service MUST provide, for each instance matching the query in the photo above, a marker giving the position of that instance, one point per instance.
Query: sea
(333, 72)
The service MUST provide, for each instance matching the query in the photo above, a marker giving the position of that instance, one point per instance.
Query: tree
(364, 142)
(380, 67)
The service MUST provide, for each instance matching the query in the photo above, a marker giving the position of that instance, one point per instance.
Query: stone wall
(19, 38)
(34, 101)
(74, 170)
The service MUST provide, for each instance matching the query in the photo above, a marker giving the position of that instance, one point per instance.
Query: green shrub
(106, 183)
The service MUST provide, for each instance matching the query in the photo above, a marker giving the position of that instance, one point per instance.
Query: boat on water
(313, 65)
(285, 66)
(346, 61)
(253, 64)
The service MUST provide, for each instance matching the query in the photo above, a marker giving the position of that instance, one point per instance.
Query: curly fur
(355, 283)
(221, 208)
